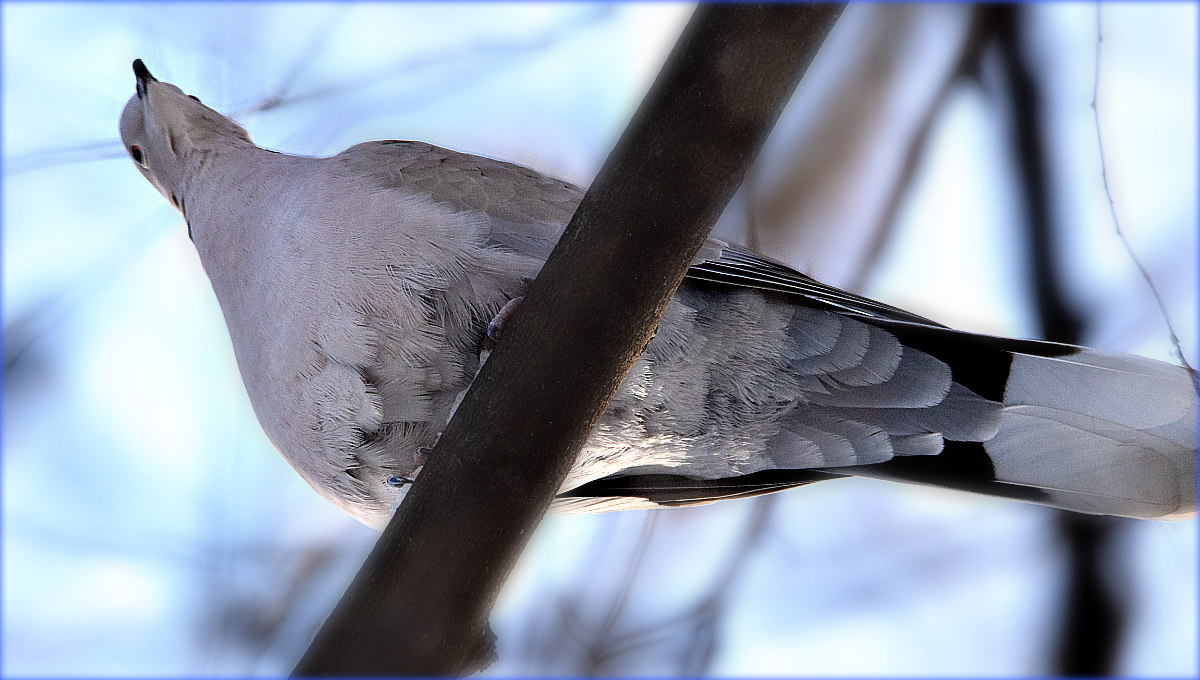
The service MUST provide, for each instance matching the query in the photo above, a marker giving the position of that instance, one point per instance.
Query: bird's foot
(496, 327)
(402, 483)
(419, 457)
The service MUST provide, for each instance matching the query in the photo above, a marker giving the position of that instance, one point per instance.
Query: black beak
(143, 77)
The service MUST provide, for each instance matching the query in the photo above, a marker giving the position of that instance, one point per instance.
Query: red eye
(136, 152)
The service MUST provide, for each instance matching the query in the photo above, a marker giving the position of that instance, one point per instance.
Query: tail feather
(962, 416)
(1092, 465)
(928, 444)
(1048, 423)
(1129, 390)
(1101, 432)
(1079, 429)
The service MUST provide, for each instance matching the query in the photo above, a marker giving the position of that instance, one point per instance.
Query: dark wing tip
(673, 490)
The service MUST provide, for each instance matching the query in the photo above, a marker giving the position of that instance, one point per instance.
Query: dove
(361, 292)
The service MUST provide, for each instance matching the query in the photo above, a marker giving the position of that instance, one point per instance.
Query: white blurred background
(149, 528)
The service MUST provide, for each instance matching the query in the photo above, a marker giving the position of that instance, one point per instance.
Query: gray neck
(238, 202)
(231, 197)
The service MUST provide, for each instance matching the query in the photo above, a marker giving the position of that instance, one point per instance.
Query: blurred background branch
(1091, 619)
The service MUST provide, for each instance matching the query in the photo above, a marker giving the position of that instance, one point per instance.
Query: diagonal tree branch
(420, 603)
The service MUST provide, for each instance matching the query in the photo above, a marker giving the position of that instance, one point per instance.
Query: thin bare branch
(1176, 345)
(315, 45)
(434, 59)
(602, 636)
(469, 57)
(67, 155)
(735, 560)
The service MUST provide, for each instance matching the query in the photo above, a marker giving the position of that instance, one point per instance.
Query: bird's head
(163, 128)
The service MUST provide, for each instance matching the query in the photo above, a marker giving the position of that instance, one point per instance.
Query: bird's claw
(421, 456)
(496, 326)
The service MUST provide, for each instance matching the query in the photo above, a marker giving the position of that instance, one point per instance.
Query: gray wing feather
(528, 212)
(736, 266)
